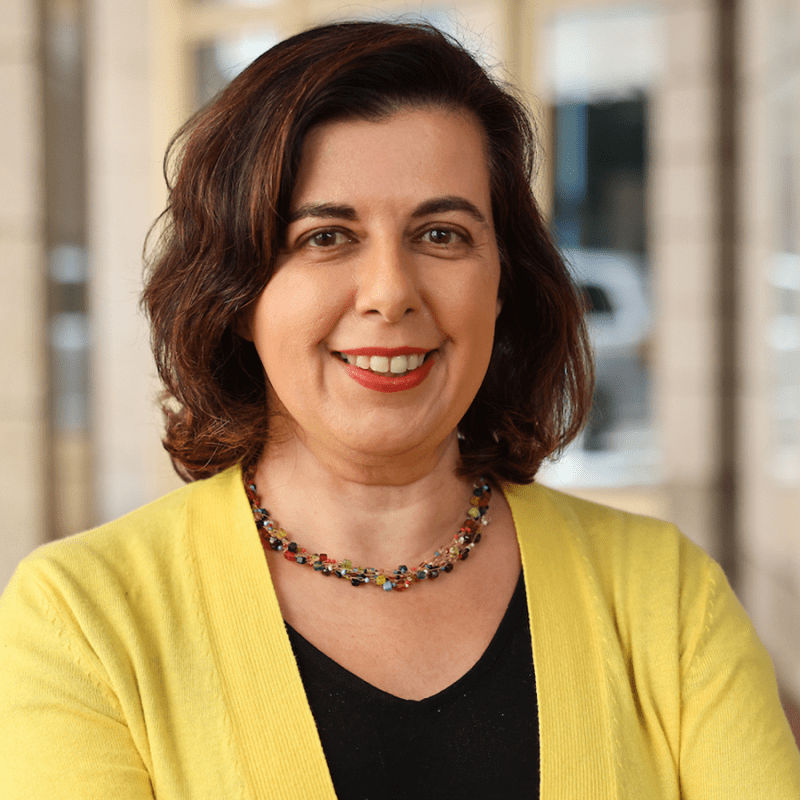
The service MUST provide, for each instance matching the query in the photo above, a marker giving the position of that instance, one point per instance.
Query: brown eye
(441, 236)
(323, 239)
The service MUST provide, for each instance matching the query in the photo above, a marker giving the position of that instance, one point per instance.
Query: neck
(372, 511)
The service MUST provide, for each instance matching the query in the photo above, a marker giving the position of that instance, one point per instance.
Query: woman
(362, 326)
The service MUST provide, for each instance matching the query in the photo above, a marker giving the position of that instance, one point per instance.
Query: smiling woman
(390, 256)
(234, 200)
(365, 333)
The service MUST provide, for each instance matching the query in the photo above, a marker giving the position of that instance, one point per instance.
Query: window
(599, 69)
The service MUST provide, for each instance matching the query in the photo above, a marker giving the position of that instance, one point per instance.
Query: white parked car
(619, 316)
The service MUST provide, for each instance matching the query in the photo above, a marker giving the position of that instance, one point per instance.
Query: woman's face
(376, 328)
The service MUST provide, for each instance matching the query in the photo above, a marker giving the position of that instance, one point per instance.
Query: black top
(478, 738)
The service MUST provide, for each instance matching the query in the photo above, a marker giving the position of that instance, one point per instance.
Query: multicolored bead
(276, 538)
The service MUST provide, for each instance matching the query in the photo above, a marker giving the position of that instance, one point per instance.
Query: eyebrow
(323, 211)
(451, 202)
(435, 205)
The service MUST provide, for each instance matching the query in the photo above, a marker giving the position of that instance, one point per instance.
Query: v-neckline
(304, 649)
(246, 632)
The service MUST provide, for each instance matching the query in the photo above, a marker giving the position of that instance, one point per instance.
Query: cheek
(471, 304)
(485, 310)
(296, 312)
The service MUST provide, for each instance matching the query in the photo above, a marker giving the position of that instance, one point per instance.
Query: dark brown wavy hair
(231, 170)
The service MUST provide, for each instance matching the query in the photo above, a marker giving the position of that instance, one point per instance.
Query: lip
(385, 351)
(389, 383)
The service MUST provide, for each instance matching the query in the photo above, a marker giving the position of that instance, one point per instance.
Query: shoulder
(147, 529)
(144, 547)
(114, 595)
(607, 532)
(629, 560)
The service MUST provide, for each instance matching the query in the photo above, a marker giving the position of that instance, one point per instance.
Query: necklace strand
(469, 534)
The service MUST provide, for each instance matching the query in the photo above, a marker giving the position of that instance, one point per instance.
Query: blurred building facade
(671, 134)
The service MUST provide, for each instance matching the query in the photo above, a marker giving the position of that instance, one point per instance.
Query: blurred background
(670, 171)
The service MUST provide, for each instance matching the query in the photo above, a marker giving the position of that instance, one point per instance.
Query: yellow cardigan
(148, 658)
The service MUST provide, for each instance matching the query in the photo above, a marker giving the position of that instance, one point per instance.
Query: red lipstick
(389, 383)
(385, 351)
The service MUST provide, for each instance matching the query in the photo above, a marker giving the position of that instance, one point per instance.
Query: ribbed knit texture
(148, 658)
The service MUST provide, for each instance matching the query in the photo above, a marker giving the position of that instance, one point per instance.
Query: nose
(387, 282)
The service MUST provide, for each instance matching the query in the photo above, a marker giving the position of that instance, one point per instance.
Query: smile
(388, 369)
(387, 366)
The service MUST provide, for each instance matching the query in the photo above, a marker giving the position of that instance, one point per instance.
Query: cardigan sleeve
(62, 730)
(735, 740)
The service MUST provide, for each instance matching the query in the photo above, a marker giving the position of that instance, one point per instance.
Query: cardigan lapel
(270, 716)
(272, 723)
(576, 735)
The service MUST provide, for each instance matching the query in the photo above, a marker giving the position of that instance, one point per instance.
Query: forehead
(411, 153)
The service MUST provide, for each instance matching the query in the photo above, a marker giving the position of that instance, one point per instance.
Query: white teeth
(398, 364)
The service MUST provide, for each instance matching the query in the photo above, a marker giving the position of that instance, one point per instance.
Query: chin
(380, 448)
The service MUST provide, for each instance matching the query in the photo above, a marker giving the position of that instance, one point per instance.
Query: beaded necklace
(276, 538)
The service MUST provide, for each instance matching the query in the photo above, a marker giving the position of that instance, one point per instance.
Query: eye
(445, 240)
(327, 238)
(442, 236)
